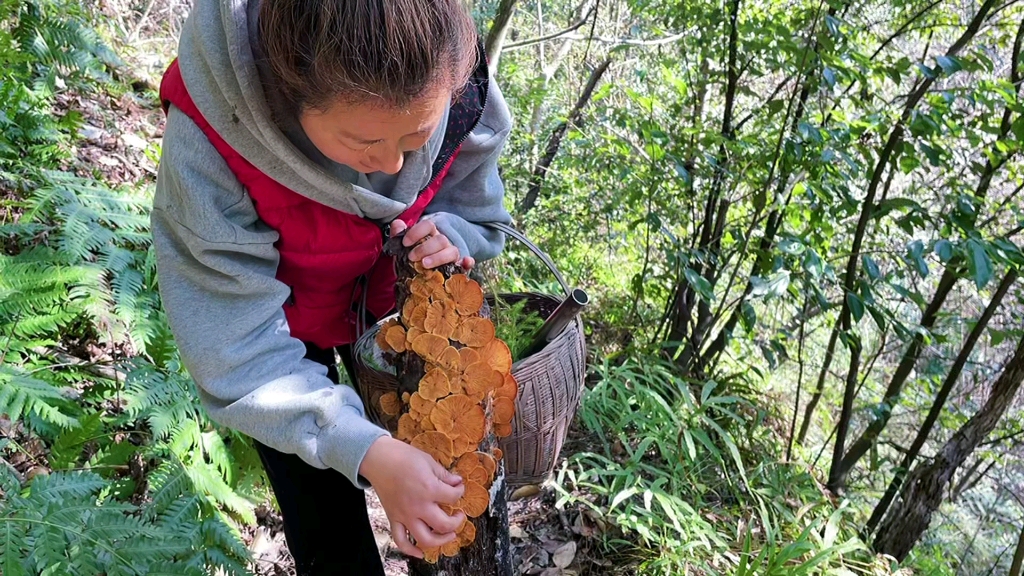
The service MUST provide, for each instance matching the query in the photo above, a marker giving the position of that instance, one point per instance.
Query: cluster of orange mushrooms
(466, 393)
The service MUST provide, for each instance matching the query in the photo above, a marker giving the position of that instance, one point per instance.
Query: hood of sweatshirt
(220, 64)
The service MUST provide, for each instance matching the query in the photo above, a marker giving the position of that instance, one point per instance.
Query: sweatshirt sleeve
(217, 264)
(472, 192)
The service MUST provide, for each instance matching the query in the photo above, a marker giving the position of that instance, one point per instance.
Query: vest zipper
(458, 144)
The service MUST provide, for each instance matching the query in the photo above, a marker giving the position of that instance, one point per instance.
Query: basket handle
(510, 231)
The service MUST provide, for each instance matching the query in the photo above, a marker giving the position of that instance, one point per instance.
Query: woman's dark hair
(385, 51)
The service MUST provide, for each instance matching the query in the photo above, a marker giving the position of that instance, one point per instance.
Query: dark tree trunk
(903, 370)
(928, 483)
(715, 211)
(496, 35)
(774, 221)
(835, 478)
(819, 389)
(940, 401)
(1018, 556)
(540, 171)
(490, 552)
(799, 383)
(969, 481)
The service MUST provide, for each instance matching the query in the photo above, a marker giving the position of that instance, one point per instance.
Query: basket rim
(369, 334)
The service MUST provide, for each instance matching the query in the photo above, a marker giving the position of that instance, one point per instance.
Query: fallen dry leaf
(527, 491)
(564, 555)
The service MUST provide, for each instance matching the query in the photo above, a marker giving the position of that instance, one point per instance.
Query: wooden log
(490, 554)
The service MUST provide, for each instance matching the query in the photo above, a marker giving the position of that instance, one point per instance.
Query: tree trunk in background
(905, 367)
(549, 67)
(969, 481)
(927, 484)
(774, 221)
(684, 329)
(940, 401)
(852, 270)
(496, 35)
(819, 389)
(1018, 556)
(540, 171)
(870, 435)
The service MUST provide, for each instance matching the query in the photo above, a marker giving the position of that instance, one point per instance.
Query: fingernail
(428, 262)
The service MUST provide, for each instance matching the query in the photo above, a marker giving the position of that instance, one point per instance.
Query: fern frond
(175, 569)
(216, 558)
(60, 487)
(185, 439)
(182, 515)
(163, 400)
(219, 535)
(167, 484)
(10, 485)
(13, 545)
(208, 481)
(66, 449)
(21, 395)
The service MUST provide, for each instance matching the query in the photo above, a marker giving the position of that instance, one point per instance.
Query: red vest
(327, 256)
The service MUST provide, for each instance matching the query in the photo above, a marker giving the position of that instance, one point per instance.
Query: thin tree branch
(554, 35)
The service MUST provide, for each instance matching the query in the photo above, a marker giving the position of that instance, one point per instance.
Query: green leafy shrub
(669, 452)
(68, 523)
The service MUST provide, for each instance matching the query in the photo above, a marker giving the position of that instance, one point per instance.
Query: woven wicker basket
(550, 384)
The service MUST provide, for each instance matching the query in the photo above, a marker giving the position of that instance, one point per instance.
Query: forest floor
(120, 146)
(545, 541)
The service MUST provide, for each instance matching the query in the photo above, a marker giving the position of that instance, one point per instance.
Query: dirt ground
(545, 541)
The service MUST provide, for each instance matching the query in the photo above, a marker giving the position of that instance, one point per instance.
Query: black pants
(325, 519)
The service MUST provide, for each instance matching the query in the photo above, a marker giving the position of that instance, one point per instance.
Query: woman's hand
(411, 485)
(435, 249)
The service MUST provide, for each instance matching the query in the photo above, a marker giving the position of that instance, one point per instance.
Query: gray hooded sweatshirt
(216, 259)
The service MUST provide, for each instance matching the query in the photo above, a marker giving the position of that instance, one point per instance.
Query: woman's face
(373, 138)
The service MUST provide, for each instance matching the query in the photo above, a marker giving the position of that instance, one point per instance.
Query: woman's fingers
(427, 538)
(432, 245)
(397, 226)
(442, 523)
(448, 494)
(467, 263)
(445, 256)
(419, 231)
(449, 478)
(432, 248)
(401, 537)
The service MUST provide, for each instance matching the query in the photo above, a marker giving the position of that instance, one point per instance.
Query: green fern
(66, 449)
(21, 395)
(64, 49)
(164, 400)
(96, 261)
(77, 267)
(62, 524)
(514, 325)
